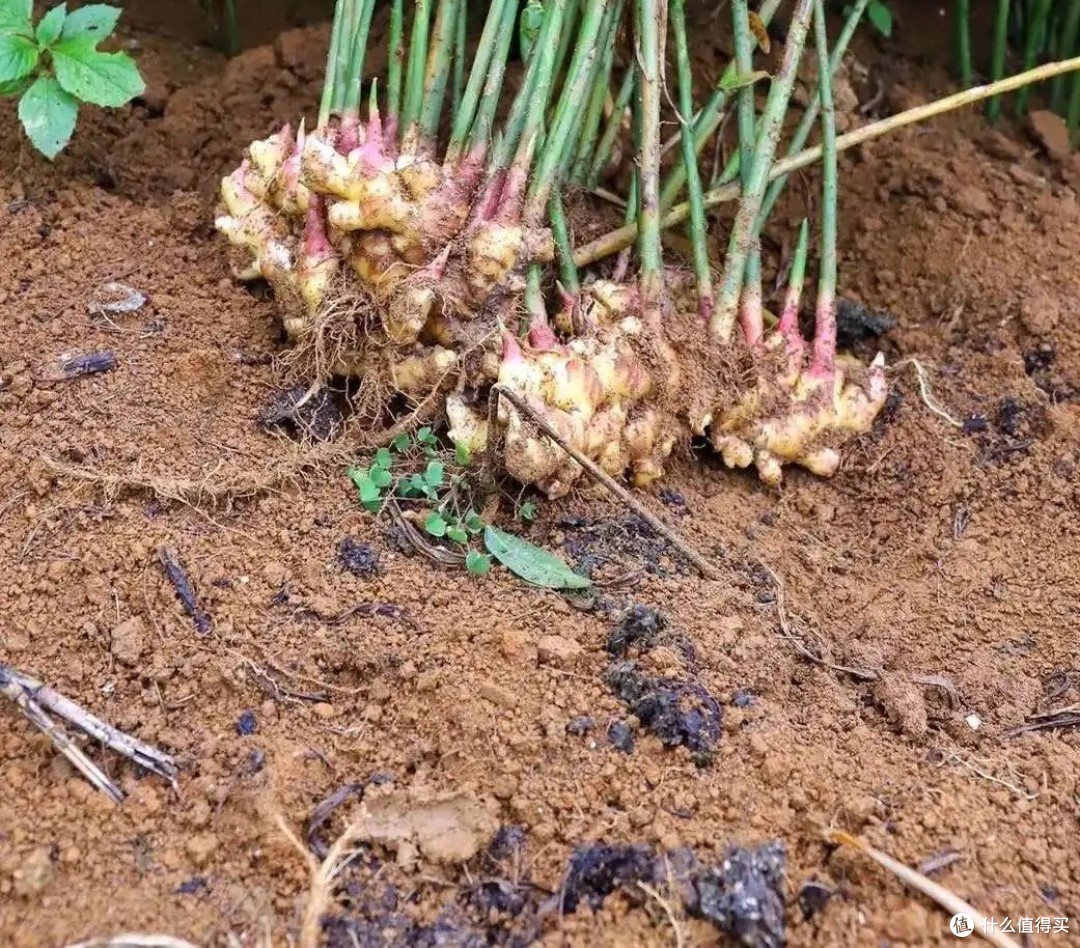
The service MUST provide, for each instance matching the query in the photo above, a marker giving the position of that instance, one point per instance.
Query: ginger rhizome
(420, 224)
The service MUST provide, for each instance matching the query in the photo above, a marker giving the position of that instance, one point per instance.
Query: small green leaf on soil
(435, 524)
(384, 459)
(380, 477)
(477, 563)
(457, 534)
(401, 443)
(531, 563)
(462, 455)
(474, 523)
(433, 476)
(880, 16)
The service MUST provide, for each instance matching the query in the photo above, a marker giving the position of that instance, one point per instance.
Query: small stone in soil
(255, 762)
(358, 558)
(639, 627)
(580, 726)
(813, 897)
(193, 886)
(975, 424)
(246, 724)
(743, 895)
(743, 698)
(621, 737)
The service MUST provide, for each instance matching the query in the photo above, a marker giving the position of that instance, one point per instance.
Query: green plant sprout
(410, 469)
(55, 65)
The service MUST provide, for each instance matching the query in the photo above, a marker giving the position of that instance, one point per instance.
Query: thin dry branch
(949, 901)
(35, 701)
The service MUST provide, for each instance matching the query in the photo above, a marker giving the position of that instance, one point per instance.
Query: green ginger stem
(740, 245)
(698, 223)
(824, 360)
(437, 72)
(810, 116)
(603, 151)
(414, 68)
(396, 61)
(648, 23)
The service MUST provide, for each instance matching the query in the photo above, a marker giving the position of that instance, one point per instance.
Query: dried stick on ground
(949, 901)
(134, 940)
(703, 566)
(322, 879)
(35, 700)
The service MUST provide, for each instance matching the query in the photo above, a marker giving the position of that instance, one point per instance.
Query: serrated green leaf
(18, 57)
(462, 455)
(401, 443)
(380, 477)
(384, 459)
(15, 16)
(106, 79)
(97, 20)
(50, 25)
(457, 534)
(414, 485)
(435, 524)
(528, 510)
(426, 436)
(474, 523)
(434, 473)
(880, 16)
(48, 114)
(13, 87)
(531, 563)
(477, 563)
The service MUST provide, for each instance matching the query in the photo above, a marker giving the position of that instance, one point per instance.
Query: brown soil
(935, 551)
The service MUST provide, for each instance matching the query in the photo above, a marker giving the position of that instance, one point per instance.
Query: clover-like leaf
(477, 563)
(435, 524)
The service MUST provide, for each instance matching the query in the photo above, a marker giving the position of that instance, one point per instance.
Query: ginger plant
(426, 249)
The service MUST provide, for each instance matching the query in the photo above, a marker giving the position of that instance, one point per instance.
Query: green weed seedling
(54, 66)
(410, 469)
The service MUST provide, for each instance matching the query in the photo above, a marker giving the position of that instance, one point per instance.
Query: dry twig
(952, 903)
(35, 701)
